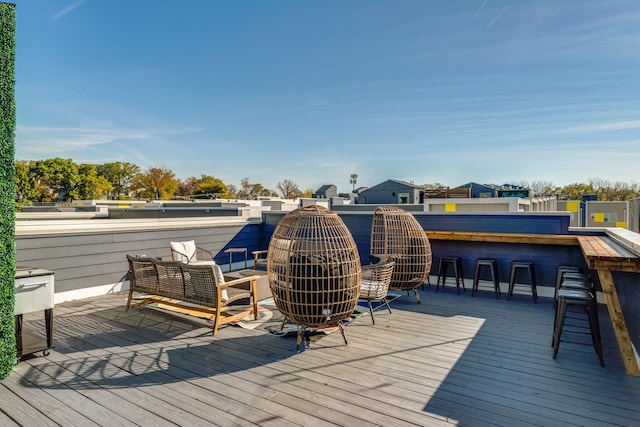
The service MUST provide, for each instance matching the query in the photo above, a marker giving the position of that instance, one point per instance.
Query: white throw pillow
(186, 251)
(217, 272)
(217, 275)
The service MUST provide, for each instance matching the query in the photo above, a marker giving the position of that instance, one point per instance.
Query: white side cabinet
(34, 290)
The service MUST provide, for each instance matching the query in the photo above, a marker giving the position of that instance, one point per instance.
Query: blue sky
(490, 91)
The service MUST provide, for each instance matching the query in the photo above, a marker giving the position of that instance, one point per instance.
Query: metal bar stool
(493, 269)
(456, 263)
(567, 271)
(586, 303)
(578, 282)
(527, 266)
(559, 273)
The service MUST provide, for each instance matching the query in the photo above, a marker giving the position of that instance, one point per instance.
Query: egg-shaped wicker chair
(397, 236)
(314, 271)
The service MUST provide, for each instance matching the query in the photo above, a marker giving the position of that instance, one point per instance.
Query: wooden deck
(452, 360)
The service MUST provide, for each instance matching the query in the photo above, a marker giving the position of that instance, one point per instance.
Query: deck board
(452, 360)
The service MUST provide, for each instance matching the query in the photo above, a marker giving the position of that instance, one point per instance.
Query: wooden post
(619, 325)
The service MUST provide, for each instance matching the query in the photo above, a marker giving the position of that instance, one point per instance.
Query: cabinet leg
(18, 324)
(48, 320)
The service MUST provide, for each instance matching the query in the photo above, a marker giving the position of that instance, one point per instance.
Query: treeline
(605, 190)
(63, 180)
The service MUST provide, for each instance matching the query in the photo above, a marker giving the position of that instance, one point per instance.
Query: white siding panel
(94, 256)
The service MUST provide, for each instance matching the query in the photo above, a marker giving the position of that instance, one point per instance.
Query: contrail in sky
(478, 12)
(68, 9)
(496, 18)
(475, 16)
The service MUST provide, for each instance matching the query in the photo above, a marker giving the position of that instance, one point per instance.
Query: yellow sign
(573, 206)
(621, 224)
(450, 207)
(598, 217)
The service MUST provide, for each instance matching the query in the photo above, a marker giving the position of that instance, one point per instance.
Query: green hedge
(7, 187)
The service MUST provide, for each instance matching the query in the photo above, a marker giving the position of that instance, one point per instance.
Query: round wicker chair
(375, 284)
(397, 236)
(314, 269)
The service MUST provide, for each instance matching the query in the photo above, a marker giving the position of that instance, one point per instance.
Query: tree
(434, 186)
(119, 175)
(56, 179)
(289, 189)
(541, 188)
(155, 183)
(232, 191)
(26, 193)
(574, 191)
(211, 186)
(267, 192)
(187, 187)
(607, 190)
(249, 191)
(91, 185)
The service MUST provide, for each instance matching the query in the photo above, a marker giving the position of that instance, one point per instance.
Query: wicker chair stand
(397, 236)
(314, 269)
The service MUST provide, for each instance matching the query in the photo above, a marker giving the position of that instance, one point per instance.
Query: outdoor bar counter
(612, 253)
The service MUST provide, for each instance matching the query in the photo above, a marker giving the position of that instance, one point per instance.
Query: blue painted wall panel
(248, 237)
(518, 223)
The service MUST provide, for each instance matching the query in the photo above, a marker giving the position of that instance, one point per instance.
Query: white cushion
(217, 272)
(186, 251)
(211, 263)
(218, 276)
(372, 288)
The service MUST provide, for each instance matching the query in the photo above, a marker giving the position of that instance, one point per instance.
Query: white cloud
(600, 127)
(36, 140)
(62, 139)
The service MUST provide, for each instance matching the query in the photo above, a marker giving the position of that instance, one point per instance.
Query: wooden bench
(190, 289)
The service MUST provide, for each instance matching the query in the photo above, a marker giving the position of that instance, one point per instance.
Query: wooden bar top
(473, 236)
(602, 253)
